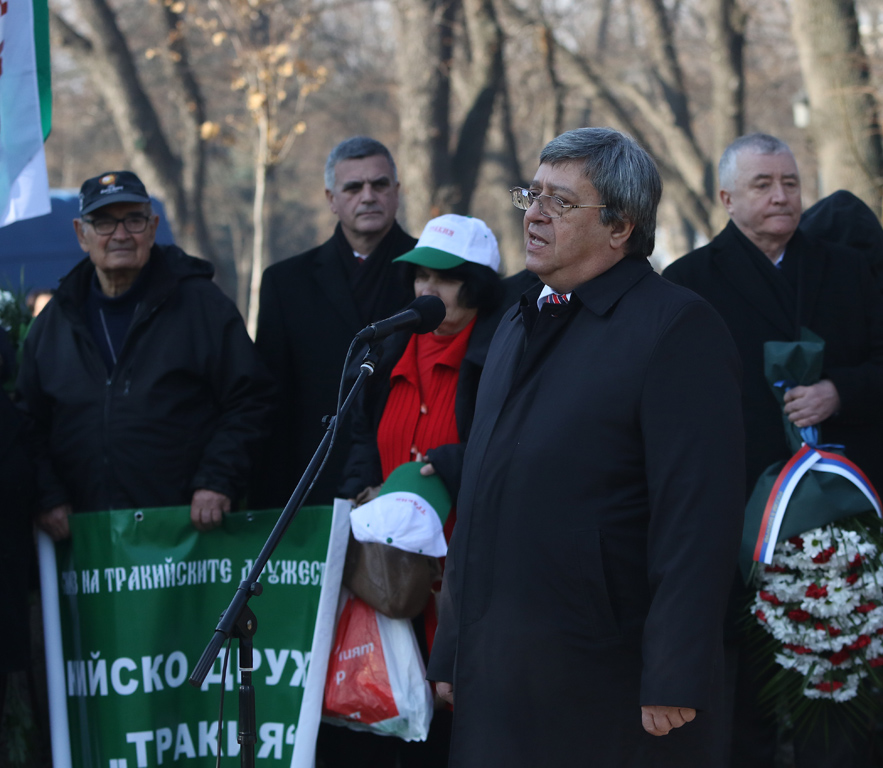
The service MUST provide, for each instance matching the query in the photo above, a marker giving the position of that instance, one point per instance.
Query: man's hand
(446, 692)
(808, 406)
(207, 509)
(55, 521)
(658, 721)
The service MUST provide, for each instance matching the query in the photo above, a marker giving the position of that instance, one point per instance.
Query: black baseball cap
(111, 187)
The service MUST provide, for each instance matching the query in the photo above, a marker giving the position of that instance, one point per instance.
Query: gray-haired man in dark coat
(601, 505)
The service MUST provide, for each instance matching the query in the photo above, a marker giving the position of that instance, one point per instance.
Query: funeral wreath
(820, 602)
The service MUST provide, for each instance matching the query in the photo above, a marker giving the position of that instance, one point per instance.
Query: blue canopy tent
(38, 252)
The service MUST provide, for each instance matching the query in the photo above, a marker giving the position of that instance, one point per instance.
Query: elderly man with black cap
(143, 385)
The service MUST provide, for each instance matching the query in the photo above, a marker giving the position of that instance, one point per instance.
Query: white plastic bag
(376, 678)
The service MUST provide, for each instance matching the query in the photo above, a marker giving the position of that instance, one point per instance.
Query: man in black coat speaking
(313, 304)
(601, 505)
(143, 385)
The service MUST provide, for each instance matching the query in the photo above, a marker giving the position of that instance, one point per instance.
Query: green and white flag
(130, 602)
(25, 109)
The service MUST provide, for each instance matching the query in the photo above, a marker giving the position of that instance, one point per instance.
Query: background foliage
(228, 108)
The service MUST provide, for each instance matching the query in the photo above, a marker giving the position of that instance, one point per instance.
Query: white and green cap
(409, 513)
(450, 240)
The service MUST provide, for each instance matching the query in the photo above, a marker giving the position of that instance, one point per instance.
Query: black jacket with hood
(183, 408)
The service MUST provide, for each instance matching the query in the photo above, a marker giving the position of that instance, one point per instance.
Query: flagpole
(58, 722)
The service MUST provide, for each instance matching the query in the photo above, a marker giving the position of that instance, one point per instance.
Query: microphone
(422, 315)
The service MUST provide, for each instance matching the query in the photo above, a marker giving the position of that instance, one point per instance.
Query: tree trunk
(725, 22)
(843, 115)
(424, 34)
(667, 69)
(485, 79)
(559, 90)
(437, 176)
(193, 230)
(500, 171)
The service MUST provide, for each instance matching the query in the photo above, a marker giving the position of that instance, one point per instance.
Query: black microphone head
(431, 310)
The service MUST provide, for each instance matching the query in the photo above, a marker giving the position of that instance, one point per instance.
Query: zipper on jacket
(105, 454)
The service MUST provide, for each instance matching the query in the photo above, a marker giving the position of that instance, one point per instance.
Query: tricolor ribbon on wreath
(812, 552)
(818, 485)
(809, 457)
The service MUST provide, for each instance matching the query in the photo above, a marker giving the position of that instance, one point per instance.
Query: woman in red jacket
(419, 403)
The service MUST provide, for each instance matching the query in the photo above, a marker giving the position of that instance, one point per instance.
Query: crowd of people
(597, 426)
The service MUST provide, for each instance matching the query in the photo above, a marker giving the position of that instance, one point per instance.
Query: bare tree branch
(66, 36)
(106, 56)
(685, 168)
(660, 41)
(191, 107)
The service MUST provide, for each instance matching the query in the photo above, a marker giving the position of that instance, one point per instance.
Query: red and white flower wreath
(822, 601)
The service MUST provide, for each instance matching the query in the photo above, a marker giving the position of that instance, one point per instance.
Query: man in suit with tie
(768, 279)
(599, 516)
(313, 304)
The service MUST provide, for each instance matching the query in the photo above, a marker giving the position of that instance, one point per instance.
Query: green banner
(140, 594)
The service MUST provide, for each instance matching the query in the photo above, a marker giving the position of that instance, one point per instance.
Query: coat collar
(333, 280)
(601, 294)
(740, 262)
(169, 265)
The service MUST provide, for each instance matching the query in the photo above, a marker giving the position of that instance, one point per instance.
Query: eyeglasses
(135, 224)
(550, 206)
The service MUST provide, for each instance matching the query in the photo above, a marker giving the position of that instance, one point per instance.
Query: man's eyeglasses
(550, 206)
(135, 223)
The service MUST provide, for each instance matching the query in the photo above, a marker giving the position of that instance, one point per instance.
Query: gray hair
(355, 148)
(624, 175)
(758, 143)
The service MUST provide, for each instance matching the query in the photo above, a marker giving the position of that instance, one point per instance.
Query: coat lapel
(730, 257)
(333, 282)
(496, 381)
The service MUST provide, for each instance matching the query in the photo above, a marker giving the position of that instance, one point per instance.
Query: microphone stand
(238, 620)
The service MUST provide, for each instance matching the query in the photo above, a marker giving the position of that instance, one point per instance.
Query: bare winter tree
(654, 107)
(177, 176)
(276, 78)
(477, 88)
(843, 111)
(439, 158)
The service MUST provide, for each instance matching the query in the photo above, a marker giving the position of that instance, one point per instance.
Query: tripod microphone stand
(238, 620)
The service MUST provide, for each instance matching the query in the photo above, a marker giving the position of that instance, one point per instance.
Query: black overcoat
(17, 495)
(185, 407)
(598, 523)
(309, 315)
(836, 298)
